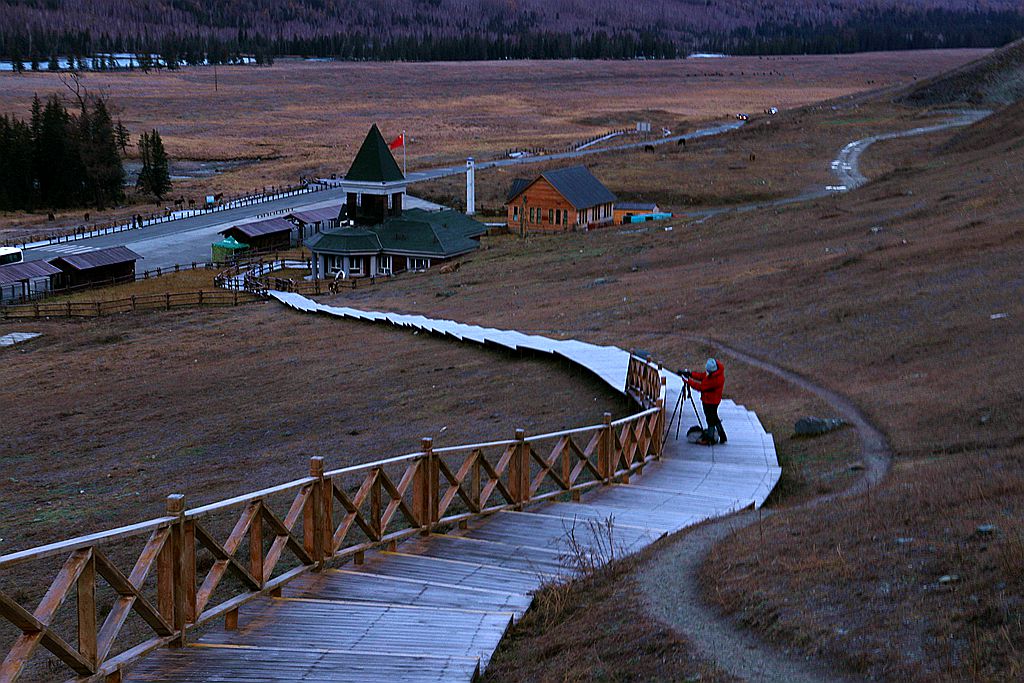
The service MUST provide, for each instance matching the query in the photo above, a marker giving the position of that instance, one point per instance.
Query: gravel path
(846, 164)
(670, 585)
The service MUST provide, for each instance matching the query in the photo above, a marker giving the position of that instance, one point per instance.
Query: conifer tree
(154, 178)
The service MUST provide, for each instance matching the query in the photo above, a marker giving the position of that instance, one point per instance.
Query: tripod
(677, 412)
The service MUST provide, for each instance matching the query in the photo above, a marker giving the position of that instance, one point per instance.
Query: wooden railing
(257, 277)
(143, 302)
(274, 535)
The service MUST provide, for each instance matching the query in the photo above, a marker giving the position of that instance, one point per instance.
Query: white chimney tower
(470, 186)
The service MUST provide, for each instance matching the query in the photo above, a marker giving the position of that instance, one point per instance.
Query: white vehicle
(518, 155)
(10, 255)
(742, 117)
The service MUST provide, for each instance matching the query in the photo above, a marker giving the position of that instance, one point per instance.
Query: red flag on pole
(397, 142)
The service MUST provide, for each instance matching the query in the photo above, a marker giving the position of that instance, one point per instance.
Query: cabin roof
(97, 258)
(576, 184)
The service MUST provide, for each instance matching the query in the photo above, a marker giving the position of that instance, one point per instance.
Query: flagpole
(403, 153)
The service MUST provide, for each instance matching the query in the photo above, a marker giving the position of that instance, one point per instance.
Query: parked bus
(10, 255)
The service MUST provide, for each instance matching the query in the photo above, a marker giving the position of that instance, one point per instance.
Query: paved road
(453, 170)
(188, 239)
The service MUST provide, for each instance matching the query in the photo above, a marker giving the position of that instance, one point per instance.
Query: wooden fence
(237, 264)
(144, 302)
(282, 532)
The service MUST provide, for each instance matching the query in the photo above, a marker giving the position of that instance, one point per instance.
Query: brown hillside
(996, 79)
(1005, 128)
(906, 296)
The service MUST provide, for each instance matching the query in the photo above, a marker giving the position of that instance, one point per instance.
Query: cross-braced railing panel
(92, 580)
(475, 479)
(211, 560)
(372, 504)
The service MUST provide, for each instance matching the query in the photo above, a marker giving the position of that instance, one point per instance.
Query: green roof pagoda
(374, 162)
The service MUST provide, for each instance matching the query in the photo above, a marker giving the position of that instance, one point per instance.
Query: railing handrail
(78, 542)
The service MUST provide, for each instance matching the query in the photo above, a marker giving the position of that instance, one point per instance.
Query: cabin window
(551, 215)
(419, 264)
(355, 267)
(558, 217)
(531, 215)
(515, 213)
(565, 217)
(332, 264)
(384, 265)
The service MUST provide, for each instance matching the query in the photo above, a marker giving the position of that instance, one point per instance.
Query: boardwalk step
(197, 664)
(300, 624)
(362, 587)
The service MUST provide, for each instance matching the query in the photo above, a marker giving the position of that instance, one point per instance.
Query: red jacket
(708, 384)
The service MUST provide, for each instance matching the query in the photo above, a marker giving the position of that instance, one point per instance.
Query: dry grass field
(771, 157)
(128, 409)
(905, 295)
(307, 118)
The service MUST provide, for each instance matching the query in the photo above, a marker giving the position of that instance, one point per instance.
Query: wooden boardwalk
(436, 607)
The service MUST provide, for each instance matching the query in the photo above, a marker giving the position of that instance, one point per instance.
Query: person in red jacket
(710, 384)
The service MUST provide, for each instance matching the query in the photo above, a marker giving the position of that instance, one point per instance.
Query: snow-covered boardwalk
(434, 607)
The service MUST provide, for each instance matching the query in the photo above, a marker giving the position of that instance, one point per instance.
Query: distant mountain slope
(996, 79)
(472, 29)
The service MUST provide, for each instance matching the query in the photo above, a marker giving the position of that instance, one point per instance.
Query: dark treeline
(60, 159)
(35, 32)
(197, 49)
(876, 29)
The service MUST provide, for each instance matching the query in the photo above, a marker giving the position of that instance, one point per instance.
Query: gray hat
(711, 365)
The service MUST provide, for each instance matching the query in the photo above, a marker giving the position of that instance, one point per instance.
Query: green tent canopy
(226, 248)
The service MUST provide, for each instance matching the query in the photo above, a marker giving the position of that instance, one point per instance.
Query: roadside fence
(169, 214)
(202, 564)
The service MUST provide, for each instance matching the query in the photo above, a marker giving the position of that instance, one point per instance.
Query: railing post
(604, 449)
(375, 509)
(86, 588)
(172, 571)
(659, 432)
(519, 471)
(312, 513)
(424, 487)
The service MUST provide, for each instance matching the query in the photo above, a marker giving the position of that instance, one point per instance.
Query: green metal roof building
(385, 240)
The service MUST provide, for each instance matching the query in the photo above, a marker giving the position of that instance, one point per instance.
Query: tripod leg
(699, 421)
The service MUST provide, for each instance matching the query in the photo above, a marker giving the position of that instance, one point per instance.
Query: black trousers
(712, 420)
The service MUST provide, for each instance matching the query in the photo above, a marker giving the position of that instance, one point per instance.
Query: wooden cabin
(98, 267)
(314, 221)
(20, 282)
(557, 201)
(265, 235)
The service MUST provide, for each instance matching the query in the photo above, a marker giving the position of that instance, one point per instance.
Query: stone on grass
(813, 426)
(986, 529)
(946, 579)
